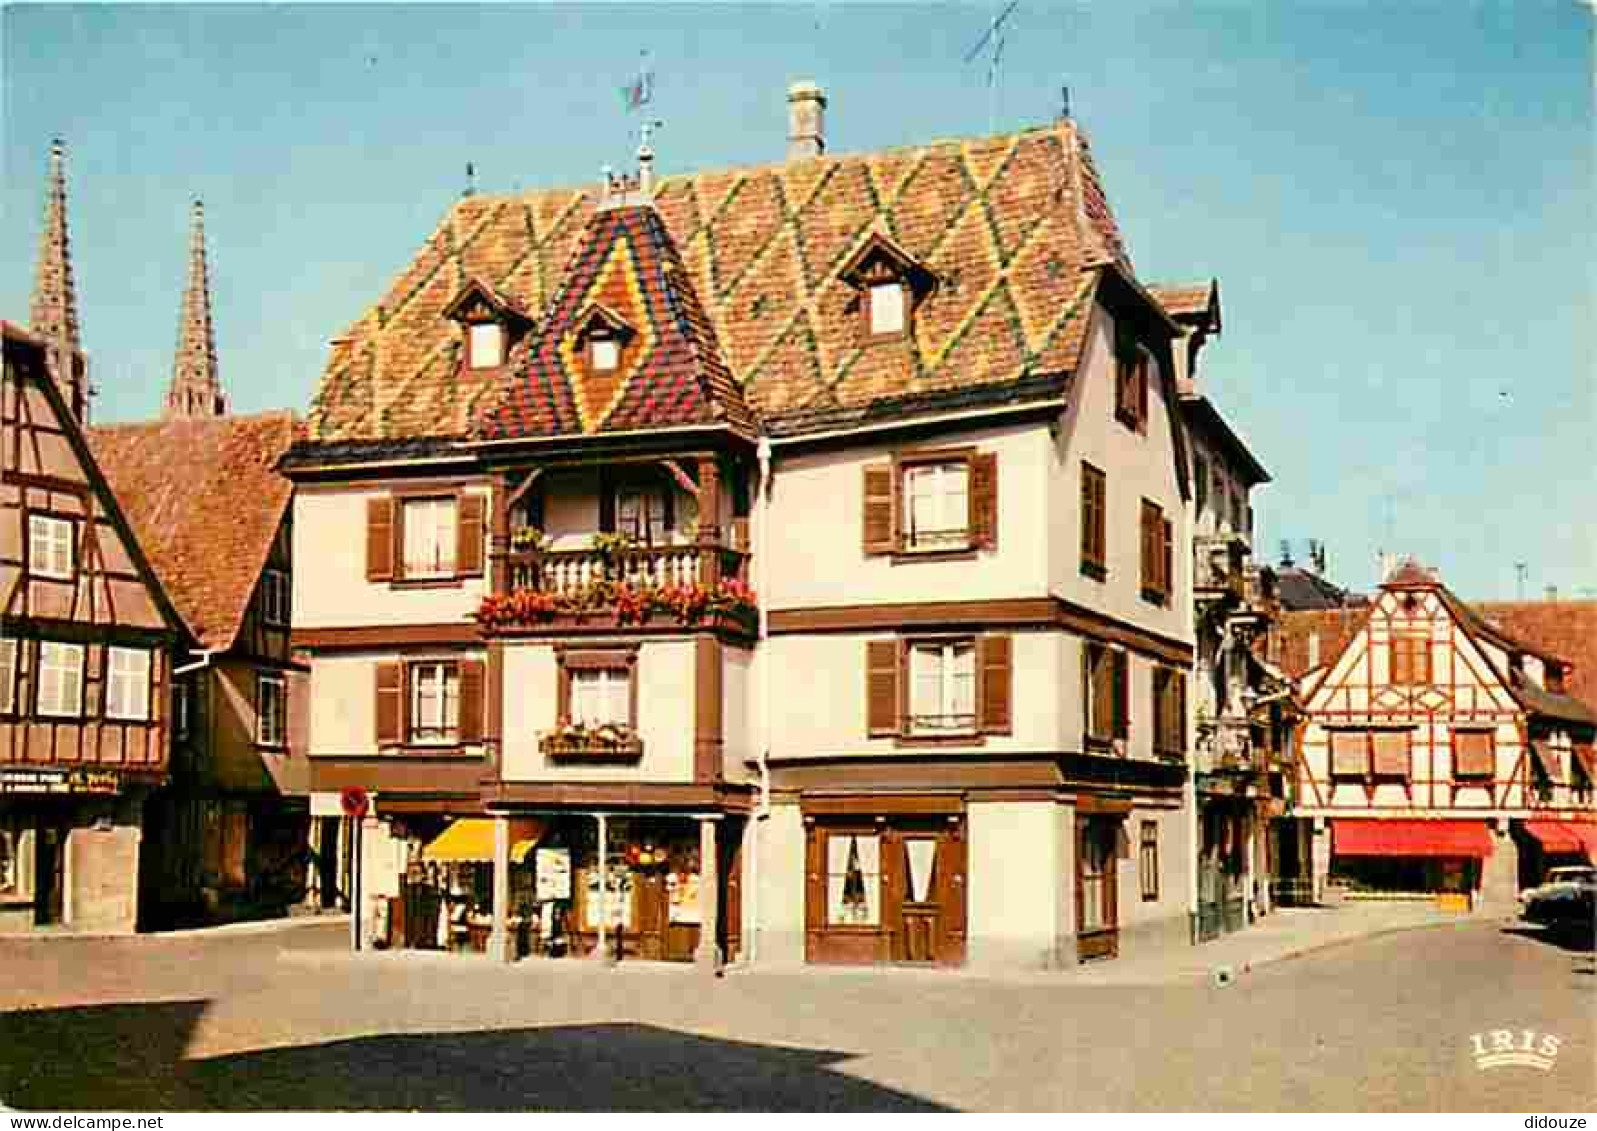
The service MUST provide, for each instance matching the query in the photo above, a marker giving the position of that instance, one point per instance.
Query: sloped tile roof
(1013, 227)
(1301, 588)
(1566, 629)
(205, 502)
(1334, 627)
(1183, 299)
(626, 269)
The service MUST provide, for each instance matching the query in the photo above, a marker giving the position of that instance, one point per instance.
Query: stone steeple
(195, 390)
(53, 314)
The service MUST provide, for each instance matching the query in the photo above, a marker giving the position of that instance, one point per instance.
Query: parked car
(1566, 899)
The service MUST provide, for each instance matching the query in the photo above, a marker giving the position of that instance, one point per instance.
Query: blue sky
(1397, 200)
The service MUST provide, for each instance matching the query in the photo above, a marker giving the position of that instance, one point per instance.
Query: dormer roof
(877, 255)
(478, 296)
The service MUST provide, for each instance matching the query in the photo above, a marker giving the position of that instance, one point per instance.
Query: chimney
(1552, 592)
(806, 120)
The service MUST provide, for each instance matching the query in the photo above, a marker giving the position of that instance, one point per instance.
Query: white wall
(815, 556)
(665, 715)
(740, 743)
(781, 885)
(1136, 466)
(330, 586)
(1014, 865)
(343, 699)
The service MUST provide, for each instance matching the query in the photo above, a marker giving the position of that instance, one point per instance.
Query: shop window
(1105, 694)
(1148, 861)
(942, 687)
(127, 693)
(60, 679)
(8, 675)
(50, 546)
(1097, 858)
(853, 880)
(1411, 659)
(271, 707)
(1474, 754)
(434, 716)
(429, 537)
(10, 863)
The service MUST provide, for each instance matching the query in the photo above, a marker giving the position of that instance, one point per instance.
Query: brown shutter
(881, 687)
(1166, 557)
(880, 530)
(1088, 513)
(996, 676)
(471, 700)
(1100, 521)
(1391, 753)
(1473, 753)
(984, 500)
(1181, 712)
(1122, 693)
(380, 539)
(1089, 707)
(390, 704)
(1349, 752)
(1144, 364)
(1402, 671)
(468, 535)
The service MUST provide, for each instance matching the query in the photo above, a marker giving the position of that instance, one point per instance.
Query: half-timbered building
(1437, 746)
(85, 665)
(774, 563)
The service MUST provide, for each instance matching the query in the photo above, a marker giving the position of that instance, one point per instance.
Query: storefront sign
(617, 903)
(682, 890)
(59, 781)
(552, 868)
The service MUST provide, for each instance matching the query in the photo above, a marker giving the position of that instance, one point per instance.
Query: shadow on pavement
(131, 1058)
(1576, 939)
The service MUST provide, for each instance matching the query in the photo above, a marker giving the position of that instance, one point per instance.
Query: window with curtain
(429, 537)
(434, 702)
(938, 505)
(942, 686)
(853, 879)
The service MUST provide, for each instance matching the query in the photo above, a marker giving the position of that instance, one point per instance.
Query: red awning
(1410, 838)
(1556, 836)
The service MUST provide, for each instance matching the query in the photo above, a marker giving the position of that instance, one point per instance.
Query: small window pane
(430, 538)
(853, 880)
(60, 678)
(600, 696)
(487, 345)
(887, 308)
(8, 675)
(606, 354)
(128, 684)
(270, 704)
(939, 507)
(49, 546)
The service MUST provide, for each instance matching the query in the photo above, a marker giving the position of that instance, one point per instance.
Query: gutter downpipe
(762, 811)
(204, 661)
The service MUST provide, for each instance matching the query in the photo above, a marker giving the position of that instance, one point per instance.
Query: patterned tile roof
(205, 502)
(1013, 227)
(1566, 629)
(625, 270)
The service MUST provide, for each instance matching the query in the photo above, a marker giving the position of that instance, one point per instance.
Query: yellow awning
(470, 840)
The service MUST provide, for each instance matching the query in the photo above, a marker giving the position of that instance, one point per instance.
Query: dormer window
(892, 284)
(887, 308)
(485, 345)
(602, 337)
(604, 354)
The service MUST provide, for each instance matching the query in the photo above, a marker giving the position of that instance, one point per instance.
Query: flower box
(605, 743)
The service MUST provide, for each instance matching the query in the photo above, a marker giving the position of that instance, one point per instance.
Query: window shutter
(1391, 753)
(1147, 547)
(1144, 364)
(1181, 712)
(1402, 670)
(1473, 752)
(1348, 752)
(984, 500)
(881, 687)
(1092, 725)
(1166, 557)
(880, 530)
(468, 535)
(1121, 679)
(1088, 515)
(380, 539)
(471, 701)
(390, 704)
(996, 684)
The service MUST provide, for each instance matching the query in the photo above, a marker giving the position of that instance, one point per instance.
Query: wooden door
(927, 885)
(49, 863)
(1097, 894)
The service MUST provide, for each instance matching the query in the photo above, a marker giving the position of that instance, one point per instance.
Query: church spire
(53, 314)
(195, 390)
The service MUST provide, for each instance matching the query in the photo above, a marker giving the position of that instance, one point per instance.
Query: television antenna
(995, 35)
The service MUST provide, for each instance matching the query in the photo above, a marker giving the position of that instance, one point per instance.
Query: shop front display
(885, 890)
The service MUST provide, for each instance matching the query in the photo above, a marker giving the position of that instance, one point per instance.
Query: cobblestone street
(288, 1020)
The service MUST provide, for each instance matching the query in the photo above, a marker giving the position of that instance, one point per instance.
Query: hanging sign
(354, 801)
(58, 781)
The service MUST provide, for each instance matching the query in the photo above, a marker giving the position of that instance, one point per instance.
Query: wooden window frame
(1094, 522)
(276, 611)
(1473, 777)
(1415, 645)
(404, 500)
(450, 735)
(1157, 542)
(78, 710)
(471, 346)
(907, 735)
(263, 739)
(1115, 665)
(1148, 861)
(993, 658)
(981, 505)
(469, 564)
(885, 278)
(73, 565)
(149, 683)
(1169, 711)
(10, 669)
(570, 660)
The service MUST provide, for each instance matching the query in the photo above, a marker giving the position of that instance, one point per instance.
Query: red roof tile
(1012, 226)
(205, 503)
(1566, 629)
